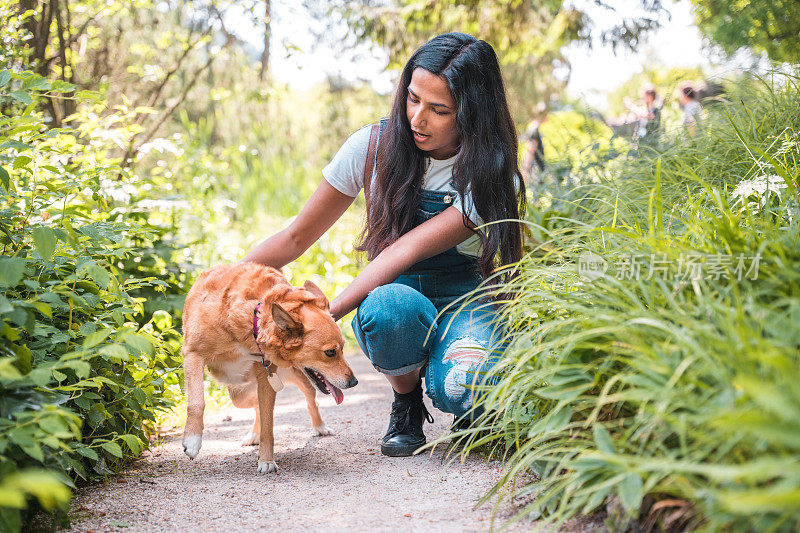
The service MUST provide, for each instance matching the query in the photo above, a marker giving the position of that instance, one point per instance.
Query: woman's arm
(324, 208)
(438, 234)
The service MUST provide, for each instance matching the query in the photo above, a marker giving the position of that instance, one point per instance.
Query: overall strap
(369, 163)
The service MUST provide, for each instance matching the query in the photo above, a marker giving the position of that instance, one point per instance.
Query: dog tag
(275, 381)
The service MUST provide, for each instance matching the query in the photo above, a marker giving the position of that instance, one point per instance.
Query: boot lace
(400, 418)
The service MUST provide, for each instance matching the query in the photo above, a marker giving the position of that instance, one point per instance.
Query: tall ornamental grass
(653, 365)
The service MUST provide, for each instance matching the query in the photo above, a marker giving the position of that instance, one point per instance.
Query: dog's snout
(351, 381)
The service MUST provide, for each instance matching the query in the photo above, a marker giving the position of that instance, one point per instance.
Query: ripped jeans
(397, 328)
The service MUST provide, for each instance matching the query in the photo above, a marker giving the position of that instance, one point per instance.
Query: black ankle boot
(405, 434)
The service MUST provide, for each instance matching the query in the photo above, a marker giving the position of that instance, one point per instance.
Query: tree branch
(171, 109)
(157, 92)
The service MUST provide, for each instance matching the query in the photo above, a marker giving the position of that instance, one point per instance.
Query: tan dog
(237, 316)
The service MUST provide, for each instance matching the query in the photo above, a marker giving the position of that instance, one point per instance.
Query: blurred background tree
(528, 36)
(772, 26)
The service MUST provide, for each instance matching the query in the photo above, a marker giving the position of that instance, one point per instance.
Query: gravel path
(335, 483)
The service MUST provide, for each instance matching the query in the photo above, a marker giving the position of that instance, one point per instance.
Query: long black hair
(486, 163)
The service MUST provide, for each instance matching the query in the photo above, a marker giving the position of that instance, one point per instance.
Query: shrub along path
(335, 483)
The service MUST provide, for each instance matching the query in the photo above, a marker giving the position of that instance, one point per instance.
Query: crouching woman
(445, 164)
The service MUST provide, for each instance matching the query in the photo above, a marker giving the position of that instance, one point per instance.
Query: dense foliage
(659, 377)
(81, 379)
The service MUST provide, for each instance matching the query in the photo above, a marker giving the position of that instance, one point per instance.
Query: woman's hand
(434, 236)
(324, 208)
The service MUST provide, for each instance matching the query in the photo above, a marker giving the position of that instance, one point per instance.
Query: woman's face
(431, 112)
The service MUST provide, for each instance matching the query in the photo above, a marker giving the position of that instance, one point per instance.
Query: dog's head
(305, 335)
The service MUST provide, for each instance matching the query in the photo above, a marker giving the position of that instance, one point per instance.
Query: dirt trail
(334, 483)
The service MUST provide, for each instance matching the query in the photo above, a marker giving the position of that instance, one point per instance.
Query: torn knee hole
(463, 356)
(465, 351)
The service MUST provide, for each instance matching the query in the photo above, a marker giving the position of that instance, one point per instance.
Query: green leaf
(138, 342)
(20, 436)
(107, 381)
(54, 425)
(22, 96)
(5, 77)
(16, 145)
(45, 240)
(603, 439)
(70, 463)
(133, 442)
(21, 161)
(35, 81)
(40, 376)
(99, 275)
(82, 402)
(48, 488)
(87, 452)
(11, 270)
(34, 450)
(140, 395)
(115, 352)
(24, 358)
(631, 492)
(61, 86)
(96, 338)
(43, 308)
(82, 368)
(87, 95)
(5, 305)
(162, 320)
(5, 179)
(113, 448)
(53, 299)
(8, 370)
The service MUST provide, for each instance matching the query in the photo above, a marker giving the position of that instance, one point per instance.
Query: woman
(446, 163)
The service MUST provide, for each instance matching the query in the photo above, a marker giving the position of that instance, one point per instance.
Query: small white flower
(761, 187)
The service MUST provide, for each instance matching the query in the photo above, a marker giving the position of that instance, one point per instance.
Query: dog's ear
(284, 321)
(321, 299)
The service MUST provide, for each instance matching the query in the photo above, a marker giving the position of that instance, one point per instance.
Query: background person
(648, 114)
(533, 161)
(687, 97)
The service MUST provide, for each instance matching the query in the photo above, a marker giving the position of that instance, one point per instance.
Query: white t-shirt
(345, 173)
(691, 112)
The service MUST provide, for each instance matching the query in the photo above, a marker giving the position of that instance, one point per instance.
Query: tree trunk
(39, 28)
(267, 34)
(62, 108)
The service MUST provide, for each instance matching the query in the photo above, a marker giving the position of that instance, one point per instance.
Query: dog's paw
(323, 430)
(267, 467)
(191, 445)
(251, 439)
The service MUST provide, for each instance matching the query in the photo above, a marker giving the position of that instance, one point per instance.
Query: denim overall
(399, 326)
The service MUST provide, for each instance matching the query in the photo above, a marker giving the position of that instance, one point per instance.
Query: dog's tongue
(337, 394)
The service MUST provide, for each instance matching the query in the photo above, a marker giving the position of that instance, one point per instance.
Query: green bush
(669, 397)
(80, 379)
